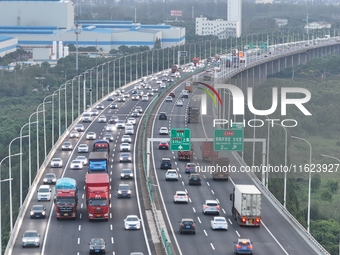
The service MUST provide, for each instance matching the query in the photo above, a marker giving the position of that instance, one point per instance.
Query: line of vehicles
(246, 199)
(97, 188)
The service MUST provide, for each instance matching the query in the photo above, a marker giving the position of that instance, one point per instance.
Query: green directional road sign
(229, 139)
(180, 139)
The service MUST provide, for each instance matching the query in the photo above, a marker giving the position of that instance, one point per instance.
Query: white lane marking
(237, 234)
(212, 191)
(231, 223)
(208, 183)
(79, 228)
(112, 240)
(212, 246)
(111, 227)
(199, 220)
(283, 249)
(183, 183)
(78, 240)
(205, 232)
(189, 199)
(194, 209)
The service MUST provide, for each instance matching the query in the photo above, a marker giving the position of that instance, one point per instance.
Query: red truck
(208, 152)
(196, 61)
(97, 189)
(66, 198)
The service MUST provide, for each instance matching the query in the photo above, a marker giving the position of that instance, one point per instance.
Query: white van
(185, 93)
(44, 193)
(86, 117)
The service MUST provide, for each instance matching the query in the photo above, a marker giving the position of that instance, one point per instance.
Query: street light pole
(10, 184)
(309, 179)
(285, 172)
(21, 160)
(45, 149)
(9, 179)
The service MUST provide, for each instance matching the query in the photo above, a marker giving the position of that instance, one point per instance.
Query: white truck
(247, 203)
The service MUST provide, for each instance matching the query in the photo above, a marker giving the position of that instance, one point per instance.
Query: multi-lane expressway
(275, 236)
(72, 237)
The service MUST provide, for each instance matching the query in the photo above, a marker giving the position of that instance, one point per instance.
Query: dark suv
(187, 225)
(194, 179)
(162, 116)
(166, 163)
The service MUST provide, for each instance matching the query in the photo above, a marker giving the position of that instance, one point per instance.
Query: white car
(56, 162)
(179, 103)
(110, 127)
(211, 207)
(74, 134)
(181, 197)
(100, 107)
(125, 147)
(135, 97)
(139, 109)
(163, 131)
(129, 131)
(30, 238)
(219, 223)
(126, 139)
(94, 112)
(76, 164)
(102, 119)
(91, 136)
(132, 222)
(44, 193)
(145, 98)
(168, 99)
(83, 159)
(83, 148)
(162, 86)
(126, 95)
(120, 124)
(128, 125)
(121, 99)
(79, 127)
(159, 82)
(171, 174)
(131, 121)
(135, 114)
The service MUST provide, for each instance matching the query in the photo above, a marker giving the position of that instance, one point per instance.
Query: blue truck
(98, 162)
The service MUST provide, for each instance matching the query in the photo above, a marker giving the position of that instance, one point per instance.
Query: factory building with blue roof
(36, 24)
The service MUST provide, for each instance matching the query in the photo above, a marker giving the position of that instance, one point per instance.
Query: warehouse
(39, 23)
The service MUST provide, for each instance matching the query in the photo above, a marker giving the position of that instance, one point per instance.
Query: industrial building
(37, 24)
(223, 28)
(7, 45)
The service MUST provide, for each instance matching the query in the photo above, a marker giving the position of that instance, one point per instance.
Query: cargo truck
(193, 114)
(174, 68)
(97, 189)
(208, 152)
(98, 162)
(196, 61)
(188, 86)
(66, 198)
(246, 208)
(101, 145)
(220, 170)
(185, 155)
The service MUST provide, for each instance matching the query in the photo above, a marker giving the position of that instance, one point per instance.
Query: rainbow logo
(211, 94)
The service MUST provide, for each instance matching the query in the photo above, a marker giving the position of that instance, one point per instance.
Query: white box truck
(246, 208)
